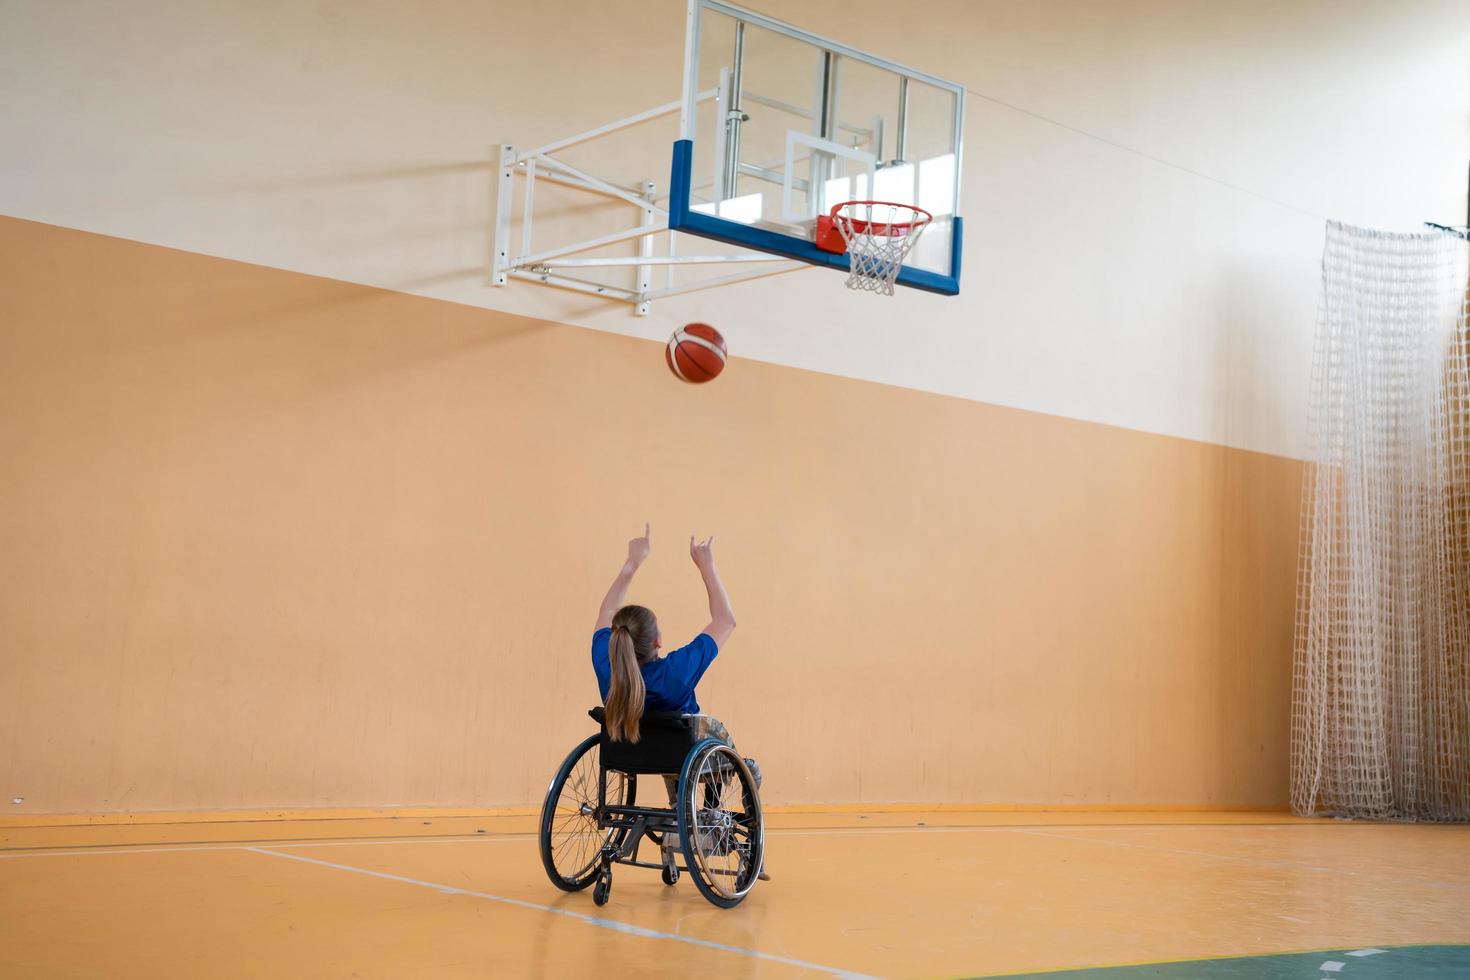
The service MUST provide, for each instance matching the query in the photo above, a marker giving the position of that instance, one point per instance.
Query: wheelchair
(591, 821)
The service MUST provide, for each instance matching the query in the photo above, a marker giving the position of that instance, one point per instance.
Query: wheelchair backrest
(665, 739)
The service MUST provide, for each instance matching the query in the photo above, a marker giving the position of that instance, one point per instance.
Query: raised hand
(639, 548)
(721, 616)
(702, 552)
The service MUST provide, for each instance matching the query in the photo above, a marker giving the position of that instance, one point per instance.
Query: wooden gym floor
(894, 894)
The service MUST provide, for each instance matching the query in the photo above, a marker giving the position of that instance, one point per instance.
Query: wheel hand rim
(721, 834)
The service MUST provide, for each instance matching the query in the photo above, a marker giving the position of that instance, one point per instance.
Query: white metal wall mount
(559, 265)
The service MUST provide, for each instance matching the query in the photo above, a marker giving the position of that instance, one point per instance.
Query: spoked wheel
(720, 823)
(571, 841)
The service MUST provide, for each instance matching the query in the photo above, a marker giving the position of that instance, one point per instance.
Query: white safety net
(1381, 694)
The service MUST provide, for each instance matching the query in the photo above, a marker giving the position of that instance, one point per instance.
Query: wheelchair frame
(706, 833)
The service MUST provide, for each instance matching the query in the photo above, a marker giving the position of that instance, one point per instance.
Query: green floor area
(1366, 963)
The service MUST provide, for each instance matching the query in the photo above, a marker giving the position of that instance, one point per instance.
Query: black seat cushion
(665, 738)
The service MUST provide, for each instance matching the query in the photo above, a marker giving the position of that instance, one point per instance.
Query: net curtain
(1381, 677)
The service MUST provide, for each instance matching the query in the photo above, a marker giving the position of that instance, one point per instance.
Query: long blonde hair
(633, 643)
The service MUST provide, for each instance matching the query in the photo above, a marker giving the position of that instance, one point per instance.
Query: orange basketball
(696, 353)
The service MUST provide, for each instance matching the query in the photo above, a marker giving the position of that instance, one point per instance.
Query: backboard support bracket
(560, 265)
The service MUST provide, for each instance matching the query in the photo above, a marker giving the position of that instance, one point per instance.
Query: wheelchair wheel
(720, 823)
(570, 838)
(604, 887)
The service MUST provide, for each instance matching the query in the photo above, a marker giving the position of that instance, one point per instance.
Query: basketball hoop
(877, 237)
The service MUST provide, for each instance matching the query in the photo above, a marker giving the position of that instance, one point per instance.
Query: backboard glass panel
(779, 125)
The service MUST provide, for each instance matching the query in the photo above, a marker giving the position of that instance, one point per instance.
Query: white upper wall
(1144, 186)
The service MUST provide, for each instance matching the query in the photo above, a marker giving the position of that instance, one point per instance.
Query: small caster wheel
(602, 888)
(670, 875)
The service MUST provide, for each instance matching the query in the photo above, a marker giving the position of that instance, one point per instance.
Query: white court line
(94, 849)
(97, 849)
(613, 924)
(986, 828)
(1264, 862)
(1037, 829)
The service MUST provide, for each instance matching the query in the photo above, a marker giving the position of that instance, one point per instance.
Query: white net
(879, 236)
(1381, 699)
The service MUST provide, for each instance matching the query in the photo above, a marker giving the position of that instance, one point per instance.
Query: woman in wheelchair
(651, 723)
(632, 678)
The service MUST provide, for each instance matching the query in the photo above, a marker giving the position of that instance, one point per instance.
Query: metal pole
(824, 166)
(726, 280)
(591, 243)
(500, 260)
(611, 190)
(903, 119)
(691, 70)
(668, 108)
(645, 249)
(722, 134)
(642, 261)
(529, 208)
(824, 117)
(734, 116)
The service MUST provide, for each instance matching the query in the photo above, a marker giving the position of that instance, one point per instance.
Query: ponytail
(632, 644)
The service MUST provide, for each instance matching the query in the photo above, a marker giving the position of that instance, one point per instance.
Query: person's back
(668, 682)
(631, 677)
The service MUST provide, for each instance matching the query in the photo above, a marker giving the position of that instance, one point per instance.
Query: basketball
(696, 353)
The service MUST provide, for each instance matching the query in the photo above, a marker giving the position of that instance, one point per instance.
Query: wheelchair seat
(665, 738)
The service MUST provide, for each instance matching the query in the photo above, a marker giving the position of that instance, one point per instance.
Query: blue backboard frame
(784, 235)
(691, 222)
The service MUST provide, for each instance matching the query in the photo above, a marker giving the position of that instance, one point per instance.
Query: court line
(92, 849)
(99, 849)
(96, 850)
(615, 925)
(992, 828)
(83, 850)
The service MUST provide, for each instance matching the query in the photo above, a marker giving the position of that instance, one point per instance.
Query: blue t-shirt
(668, 681)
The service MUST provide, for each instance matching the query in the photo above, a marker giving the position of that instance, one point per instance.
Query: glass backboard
(779, 125)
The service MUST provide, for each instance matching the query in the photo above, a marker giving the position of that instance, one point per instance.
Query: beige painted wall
(274, 540)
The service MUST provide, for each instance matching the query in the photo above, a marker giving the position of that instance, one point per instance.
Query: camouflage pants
(707, 726)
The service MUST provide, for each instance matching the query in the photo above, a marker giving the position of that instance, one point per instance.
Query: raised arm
(638, 550)
(721, 616)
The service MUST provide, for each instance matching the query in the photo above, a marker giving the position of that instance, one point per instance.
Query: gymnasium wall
(274, 540)
(298, 511)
